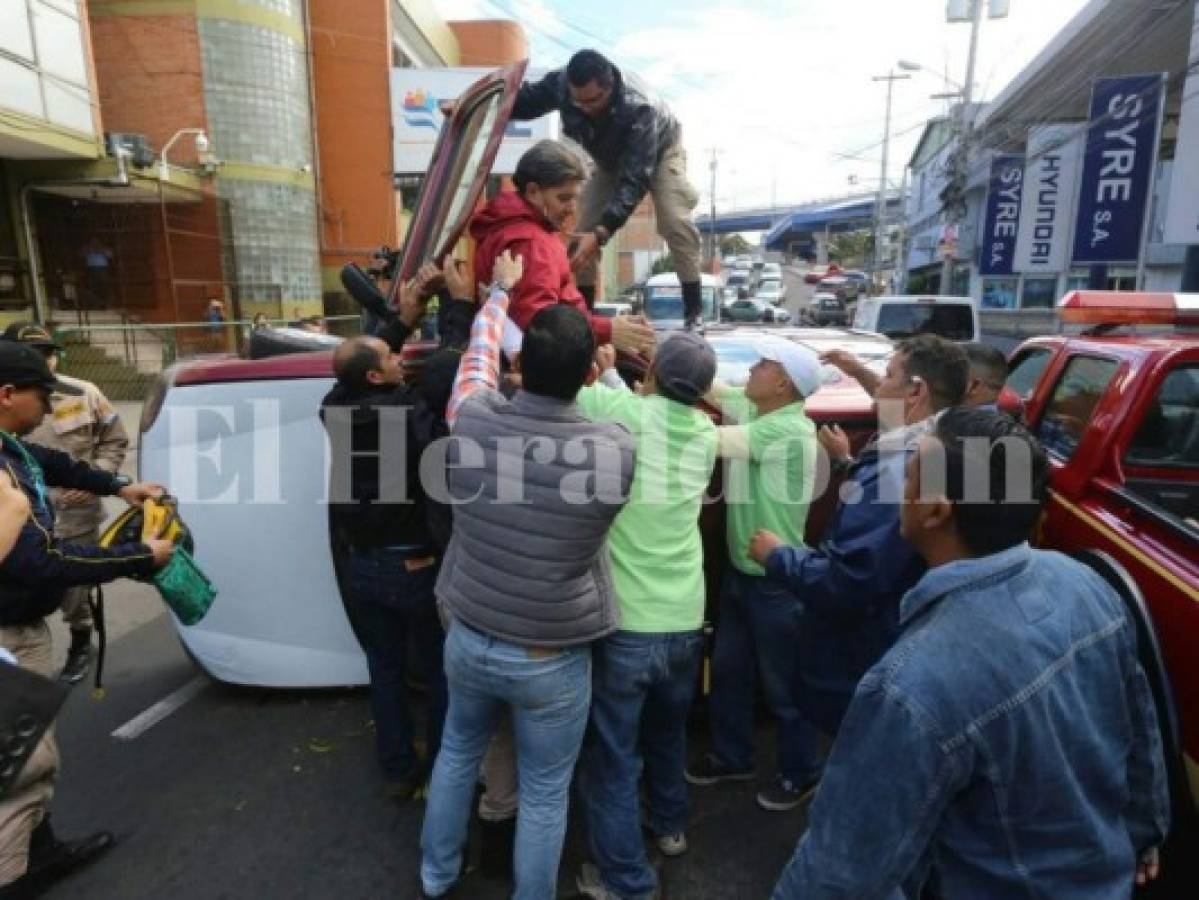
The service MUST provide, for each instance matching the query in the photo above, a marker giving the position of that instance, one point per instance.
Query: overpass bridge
(801, 228)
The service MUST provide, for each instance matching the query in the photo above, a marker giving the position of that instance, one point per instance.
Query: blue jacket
(39, 568)
(1006, 747)
(850, 585)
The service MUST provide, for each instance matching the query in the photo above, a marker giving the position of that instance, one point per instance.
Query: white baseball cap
(801, 364)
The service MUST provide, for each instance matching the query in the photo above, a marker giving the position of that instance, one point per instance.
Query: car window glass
(1025, 371)
(954, 322)
(1168, 434)
(1073, 403)
(472, 143)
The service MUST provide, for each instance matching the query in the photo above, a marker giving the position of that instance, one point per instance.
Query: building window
(1121, 281)
(1039, 293)
(999, 293)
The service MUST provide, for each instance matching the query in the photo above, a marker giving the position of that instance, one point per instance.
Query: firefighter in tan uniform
(88, 428)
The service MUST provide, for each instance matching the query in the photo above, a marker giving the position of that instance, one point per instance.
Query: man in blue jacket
(851, 584)
(1007, 745)
(33, 578)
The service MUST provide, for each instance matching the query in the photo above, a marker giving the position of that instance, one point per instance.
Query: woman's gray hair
(548, 164)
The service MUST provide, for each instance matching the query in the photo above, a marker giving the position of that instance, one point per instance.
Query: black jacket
(39, 568)
(423, 520)
(627, 141)
(365, 523)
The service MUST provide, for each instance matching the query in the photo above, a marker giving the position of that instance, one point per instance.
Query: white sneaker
(672, 845)
(591, 885)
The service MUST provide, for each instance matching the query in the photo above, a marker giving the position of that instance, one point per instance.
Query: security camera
(306, 168)
(201, 143)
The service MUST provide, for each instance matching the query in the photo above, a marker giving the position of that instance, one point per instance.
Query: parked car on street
(828, 309)
(845, 289)
(816, 273)
(745, 310)
(771, 291)
(771, 271)
(954, 318)
(664, 300)
(861, 280)
(736, 284)
(612, 310)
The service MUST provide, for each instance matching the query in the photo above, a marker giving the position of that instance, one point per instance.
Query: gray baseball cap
(685, 365)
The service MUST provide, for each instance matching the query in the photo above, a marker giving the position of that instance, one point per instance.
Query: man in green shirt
(644, 675)
(771, 447)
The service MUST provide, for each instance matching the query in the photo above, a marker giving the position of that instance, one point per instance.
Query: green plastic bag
(186, 590)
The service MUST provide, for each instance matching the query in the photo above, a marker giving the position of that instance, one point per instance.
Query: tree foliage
(734, 245)
(853, 248)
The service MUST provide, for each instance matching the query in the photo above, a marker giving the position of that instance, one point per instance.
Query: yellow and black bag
(156, 519)
(185, 589)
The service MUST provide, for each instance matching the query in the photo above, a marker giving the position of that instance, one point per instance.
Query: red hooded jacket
(509, 223)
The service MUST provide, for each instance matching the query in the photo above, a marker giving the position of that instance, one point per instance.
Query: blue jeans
(758, 633)
(642, 690)
(393, 612)
(548, 693)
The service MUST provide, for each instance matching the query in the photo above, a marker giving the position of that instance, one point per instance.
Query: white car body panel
(278, 619)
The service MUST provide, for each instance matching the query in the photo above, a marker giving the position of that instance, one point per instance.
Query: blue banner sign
(1001, 223)
(1117, 167)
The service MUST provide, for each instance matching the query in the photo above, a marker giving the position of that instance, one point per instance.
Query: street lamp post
(962, 127)
(164, 170)
(880, 204)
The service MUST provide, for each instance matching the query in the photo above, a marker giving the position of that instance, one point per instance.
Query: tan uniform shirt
(89, 429)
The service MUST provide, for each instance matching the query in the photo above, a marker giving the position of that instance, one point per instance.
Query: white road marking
(147, 719)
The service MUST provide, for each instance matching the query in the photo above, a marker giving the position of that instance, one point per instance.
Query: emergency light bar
(1128, 308)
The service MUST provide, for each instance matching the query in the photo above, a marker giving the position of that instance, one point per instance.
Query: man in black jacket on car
(33, 578)
(637, 146)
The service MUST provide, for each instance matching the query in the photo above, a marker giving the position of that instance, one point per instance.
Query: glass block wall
(256, 93)
(269, 253)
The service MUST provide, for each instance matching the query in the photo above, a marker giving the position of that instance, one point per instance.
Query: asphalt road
(250, 794)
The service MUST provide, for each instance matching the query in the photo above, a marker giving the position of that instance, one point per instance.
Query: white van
(953, 318)
(664, 300)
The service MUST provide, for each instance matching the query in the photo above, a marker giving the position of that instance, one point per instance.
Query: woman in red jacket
(530, 223)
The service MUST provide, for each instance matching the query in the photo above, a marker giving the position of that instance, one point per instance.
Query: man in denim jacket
(1007, 745)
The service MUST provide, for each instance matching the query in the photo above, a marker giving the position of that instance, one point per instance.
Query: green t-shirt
(657, 554)
(772, 489)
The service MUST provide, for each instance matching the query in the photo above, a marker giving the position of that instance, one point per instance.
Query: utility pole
(880, 203)
(963, 136)
(712, 246)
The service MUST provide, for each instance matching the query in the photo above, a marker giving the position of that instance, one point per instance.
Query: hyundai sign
(1121, 148)
(1002, 221)
(1050, 191)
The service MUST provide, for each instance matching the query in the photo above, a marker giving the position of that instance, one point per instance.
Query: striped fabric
(480, 365)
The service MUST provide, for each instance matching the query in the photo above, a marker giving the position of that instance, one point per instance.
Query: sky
(783, 89)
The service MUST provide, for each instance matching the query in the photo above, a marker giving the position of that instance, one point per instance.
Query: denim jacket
(1006, 746)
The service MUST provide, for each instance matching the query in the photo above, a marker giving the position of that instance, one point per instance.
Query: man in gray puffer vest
(535, 488)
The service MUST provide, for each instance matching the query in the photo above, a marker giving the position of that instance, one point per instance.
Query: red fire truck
(1117, 409)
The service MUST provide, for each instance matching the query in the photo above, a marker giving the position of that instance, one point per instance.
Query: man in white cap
(772, 448)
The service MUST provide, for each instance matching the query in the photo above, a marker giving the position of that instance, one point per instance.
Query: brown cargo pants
(23, 809)
(674, 199)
